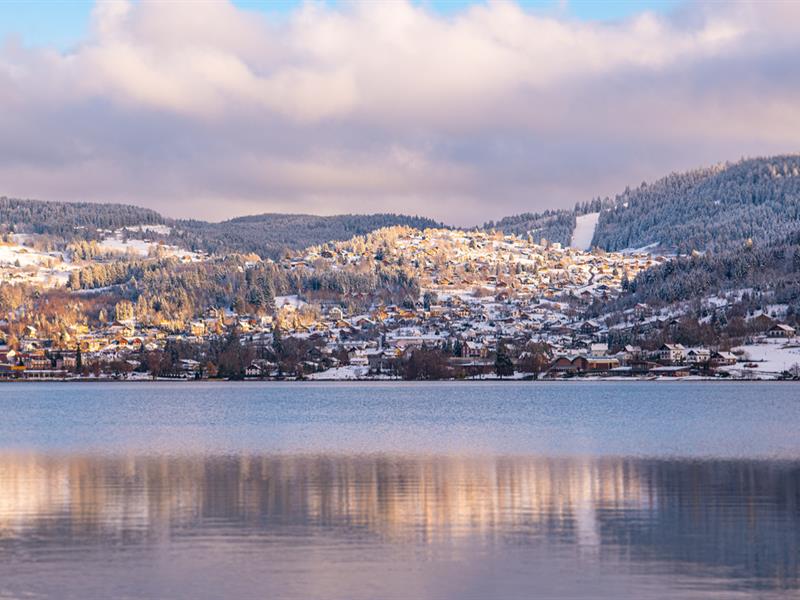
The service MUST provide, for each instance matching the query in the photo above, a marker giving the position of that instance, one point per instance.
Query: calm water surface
(351, 491)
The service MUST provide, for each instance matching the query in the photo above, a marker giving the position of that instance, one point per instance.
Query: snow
(33, 265)
(584, 231)
(772, 357)
(641, 250)
(10, 253)
(341, 373)
(116, 244)
(160, 229)
(293, 301)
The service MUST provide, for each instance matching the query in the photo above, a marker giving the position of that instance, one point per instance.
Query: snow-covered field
(293, 301)
(20, 264)
(341, 374)
(24, 264)
(116, 243)
(160, 229)
(773, 357)
(584, 231)
(642, 249)
(12, 254)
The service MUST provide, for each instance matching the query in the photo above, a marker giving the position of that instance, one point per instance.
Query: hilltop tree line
(551, 225)
(707, 209)
(270, 235)
(70, 220)
(714, 208)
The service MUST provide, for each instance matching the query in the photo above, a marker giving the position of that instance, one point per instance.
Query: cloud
(206, 109)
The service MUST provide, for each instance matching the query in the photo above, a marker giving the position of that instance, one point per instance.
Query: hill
(270, 234)
(553, 225)
(771, 271)
(714, 208)
(64, 218)
(266, 234)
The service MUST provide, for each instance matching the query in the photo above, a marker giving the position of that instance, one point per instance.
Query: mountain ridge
(267, 234)
(712, 208)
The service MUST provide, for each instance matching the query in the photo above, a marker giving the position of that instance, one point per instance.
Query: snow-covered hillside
(115, 242)
(22, 264)
(584, 231)
(768, 359)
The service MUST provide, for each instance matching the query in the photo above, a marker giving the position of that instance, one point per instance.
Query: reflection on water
(345, 526)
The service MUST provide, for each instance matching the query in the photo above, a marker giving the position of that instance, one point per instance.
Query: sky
(463, 111)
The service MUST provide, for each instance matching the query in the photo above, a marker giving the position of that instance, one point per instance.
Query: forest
(714, 208)
(71, 220)
(268, 235)
(168, 289)
(773, 267)
(551, 225)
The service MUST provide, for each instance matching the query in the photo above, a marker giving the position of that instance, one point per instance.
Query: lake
(400, 490)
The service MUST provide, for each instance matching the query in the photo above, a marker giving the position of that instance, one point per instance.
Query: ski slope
(584, 231)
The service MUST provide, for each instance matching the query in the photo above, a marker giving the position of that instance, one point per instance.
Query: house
(781, 330)
(589, 327)
(671, 354)
(255, 370)
(629, 354)
(382, 361)
(577, 364)
(189, 366)
(474, 350)
(601, 364)
(358, 358)
(562, 364)
(598, 348)
(36, 361)
(763, 323)
(580, 364)
(698, 356)
(719, 359)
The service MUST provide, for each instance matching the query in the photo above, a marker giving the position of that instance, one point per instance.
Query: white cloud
(385, 106)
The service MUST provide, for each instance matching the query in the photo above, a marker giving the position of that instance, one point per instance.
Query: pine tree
(503, 365)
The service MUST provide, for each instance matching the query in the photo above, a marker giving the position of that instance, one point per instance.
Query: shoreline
(507, 380)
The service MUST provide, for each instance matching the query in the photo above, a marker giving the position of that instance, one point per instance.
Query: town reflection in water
(730, 523)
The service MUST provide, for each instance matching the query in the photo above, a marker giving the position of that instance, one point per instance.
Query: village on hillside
(485, 306)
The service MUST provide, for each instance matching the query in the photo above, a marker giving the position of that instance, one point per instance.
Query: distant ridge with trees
(715, 208)
(269, 234)
(266, 234)
(71, 219)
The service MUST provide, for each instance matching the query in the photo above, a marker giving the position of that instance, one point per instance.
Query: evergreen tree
(503, 365)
